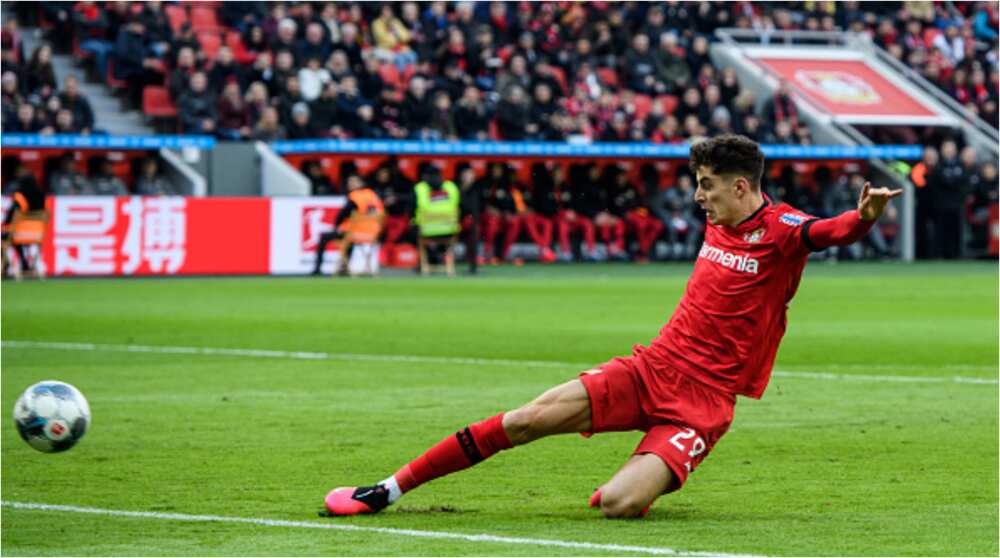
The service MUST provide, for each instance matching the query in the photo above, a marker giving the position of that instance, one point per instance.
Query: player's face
(719, 196)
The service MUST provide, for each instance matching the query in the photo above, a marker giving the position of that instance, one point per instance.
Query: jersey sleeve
(790, 226)
(801, 233)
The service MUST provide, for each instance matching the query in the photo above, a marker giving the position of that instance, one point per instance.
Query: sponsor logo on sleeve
(792, 219)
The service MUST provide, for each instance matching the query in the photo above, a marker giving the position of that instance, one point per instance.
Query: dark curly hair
(729, 154)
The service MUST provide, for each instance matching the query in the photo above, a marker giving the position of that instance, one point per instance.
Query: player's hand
(872, 202)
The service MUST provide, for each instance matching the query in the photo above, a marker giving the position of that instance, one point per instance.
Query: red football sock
(459, 451)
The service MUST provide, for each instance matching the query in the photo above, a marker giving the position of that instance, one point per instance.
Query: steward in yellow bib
(437, 218)
(359, 222)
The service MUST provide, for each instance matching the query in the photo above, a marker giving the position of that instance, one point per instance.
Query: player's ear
(741, 186)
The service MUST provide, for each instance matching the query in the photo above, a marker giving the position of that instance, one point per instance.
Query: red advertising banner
(157, 236)
(849, 89)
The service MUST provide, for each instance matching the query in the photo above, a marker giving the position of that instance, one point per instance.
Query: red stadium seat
(113, 82)
(235, 42)
(560, 76)
(643, 104)
(390, 75)
(204, 19)
(156, 102)
(609, 76)
(176, 16)
(408, 73)
(669, 103)
(210, 43)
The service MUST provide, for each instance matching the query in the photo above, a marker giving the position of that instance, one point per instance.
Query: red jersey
(727, 327)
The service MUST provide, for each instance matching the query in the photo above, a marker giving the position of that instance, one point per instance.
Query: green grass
(818, 467)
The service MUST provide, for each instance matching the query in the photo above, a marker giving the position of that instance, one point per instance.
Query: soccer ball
(52, 416)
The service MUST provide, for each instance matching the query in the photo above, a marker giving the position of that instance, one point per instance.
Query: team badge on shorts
(753, 237)
(791, 219)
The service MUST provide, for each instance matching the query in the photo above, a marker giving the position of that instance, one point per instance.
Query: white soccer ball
(52, 416)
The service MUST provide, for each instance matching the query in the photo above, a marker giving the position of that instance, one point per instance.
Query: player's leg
(562, 409)
(634, 487)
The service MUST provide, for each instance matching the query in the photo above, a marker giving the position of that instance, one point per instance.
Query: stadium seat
(156, 102)
(210, 43)
(609, 76)
(235, 43)
(669, 103)
(390, 75)
(113, 82)
(560, 76)
(408, 73)
(643, 104)
(176, 16)
(204, 19)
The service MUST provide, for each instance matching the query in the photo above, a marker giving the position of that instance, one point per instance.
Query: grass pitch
(848, 463)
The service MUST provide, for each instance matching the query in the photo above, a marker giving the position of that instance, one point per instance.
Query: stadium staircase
(109, 115)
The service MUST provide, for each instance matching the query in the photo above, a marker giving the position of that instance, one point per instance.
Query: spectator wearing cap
(312, 78)
(196, 107)
(224, 69)
(234, 118)
(301, 126)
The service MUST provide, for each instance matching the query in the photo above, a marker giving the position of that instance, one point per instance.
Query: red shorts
(682, 418)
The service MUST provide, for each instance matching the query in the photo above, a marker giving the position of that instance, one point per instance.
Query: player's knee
(621, 505)
(520, 424)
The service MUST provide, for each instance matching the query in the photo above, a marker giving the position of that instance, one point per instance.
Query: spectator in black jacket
(471, 118)
(512, 115)
(416, 109)
(196, 107)
(982, 197)
(26, 122)
(301, 126)
(542, 206)
(39, 76)
(314, 45)
(639, 66)
(72, 100)
(576, 208)
(947, 187)
(321, 185)
(224, 69)
(180, 76)
(133, 62)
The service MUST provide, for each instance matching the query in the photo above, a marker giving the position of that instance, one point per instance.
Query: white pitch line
(304, 355)
(481, 538)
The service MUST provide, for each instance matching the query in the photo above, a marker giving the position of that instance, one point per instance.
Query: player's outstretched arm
(850, 226)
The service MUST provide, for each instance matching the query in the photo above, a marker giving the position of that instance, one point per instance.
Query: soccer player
(680, 390)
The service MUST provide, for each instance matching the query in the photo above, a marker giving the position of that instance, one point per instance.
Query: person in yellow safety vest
(437, 218)
(358, 224)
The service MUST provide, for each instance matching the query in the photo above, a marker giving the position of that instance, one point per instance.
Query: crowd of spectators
(64, 176)
(597, 71)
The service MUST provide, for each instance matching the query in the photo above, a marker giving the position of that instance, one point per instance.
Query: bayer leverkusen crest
(754, 236)
(838, 87)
